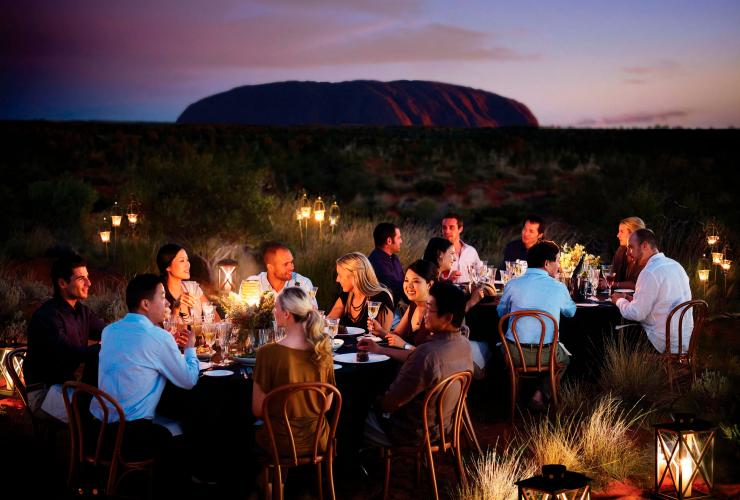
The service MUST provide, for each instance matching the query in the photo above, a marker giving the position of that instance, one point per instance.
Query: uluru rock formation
(360, 102)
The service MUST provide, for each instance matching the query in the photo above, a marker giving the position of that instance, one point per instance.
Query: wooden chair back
(699, 310)
(14, 368)
(540, 316)
(437, 396)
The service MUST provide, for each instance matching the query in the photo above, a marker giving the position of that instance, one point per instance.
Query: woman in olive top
(624, 265)
(303, 355)
(359, 285)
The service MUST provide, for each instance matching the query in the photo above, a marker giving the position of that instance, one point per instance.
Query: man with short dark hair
(61, 335)
(384, 258)
(661, 286)
(537, 289)
(445, 353)
(466, 255)
(137, 357)
(280, 271)
(533, 229)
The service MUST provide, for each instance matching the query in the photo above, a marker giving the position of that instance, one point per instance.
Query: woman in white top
(174, 268)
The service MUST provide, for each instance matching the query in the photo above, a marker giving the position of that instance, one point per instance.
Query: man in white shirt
(452, 227)
(661, 286)
(280, 272)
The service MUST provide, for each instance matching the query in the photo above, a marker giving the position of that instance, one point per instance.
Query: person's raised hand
(368, 345)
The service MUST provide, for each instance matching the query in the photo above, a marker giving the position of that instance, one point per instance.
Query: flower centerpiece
(246, 317)
(570, 256)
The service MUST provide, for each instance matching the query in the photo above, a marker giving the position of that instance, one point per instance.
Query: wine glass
(373, 308)
(609, 274)
(208, 309)
(209, 334)
(593, 278)
(332, 325)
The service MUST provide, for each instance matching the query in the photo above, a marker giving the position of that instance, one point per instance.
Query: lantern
(555, 483)
(726, 265)
(319, 210)
(333, 215)
(712, 234)
(717, 258)
(684, 458)
(250, 292)
(703, 275)
(104, 233)
(115, 215)
(305, 206)
(226, 268)
(133, 212)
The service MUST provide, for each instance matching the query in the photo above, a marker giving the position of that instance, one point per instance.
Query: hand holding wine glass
(373, 308)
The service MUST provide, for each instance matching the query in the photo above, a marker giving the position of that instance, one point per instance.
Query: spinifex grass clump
(634, 373)
(492, 476)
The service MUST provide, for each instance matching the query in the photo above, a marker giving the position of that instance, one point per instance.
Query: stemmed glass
(208, 310)
(223, 337)
(609, 274)
(593, 278)
(373, 308)
(209, 334)
(332, 325)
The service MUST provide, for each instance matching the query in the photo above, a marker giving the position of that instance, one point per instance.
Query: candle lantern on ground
(555, 483)
(249, 291)
(226, 268)
(684, 458)
(104, 233)
(333, 216)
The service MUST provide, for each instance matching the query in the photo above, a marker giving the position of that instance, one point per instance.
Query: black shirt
(514, 250)
(57, 341)
(351, 317)
(389, 271)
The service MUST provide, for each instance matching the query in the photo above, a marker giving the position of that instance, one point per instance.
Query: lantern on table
(684, 458)
(226, 268)
(555, 483)
(250, 292)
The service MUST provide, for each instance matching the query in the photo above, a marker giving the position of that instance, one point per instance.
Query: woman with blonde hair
(303, 355)
(359, 285)
(624, 265)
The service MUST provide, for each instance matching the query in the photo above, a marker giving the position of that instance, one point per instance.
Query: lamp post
(684, 458)
(226, 268)
(555, 483)
(726, 266)
(333, 215)
(319, 210)
(712, 234)
(104, 233)
(115, 219)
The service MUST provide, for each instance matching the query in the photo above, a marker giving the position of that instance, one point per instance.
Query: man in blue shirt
(537, 289)
(384, 258)
(137, 357)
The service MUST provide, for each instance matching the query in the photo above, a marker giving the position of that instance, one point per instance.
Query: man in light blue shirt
(137, 357)
(537, 289)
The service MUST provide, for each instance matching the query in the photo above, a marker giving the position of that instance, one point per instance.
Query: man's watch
(407, 347)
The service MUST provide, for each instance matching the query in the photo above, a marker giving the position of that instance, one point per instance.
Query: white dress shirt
(661, 286)
(296, 280)
(468, 255)
(136, 359)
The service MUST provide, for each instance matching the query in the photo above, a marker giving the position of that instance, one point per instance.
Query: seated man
(62, 335)
(533, 230)
(384, 258)
(445, 353)
(280, 272)
(537, 289)
(138, 357)
(661, 286)
(466, 255)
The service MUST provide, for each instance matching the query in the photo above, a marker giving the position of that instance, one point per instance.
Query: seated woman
(303, 355)
(624, 265)
(174, 268)
(410, 331)
(441, 252)
(359, 285)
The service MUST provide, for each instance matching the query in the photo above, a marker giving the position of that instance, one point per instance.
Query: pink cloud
(662, 68)
(637, 118)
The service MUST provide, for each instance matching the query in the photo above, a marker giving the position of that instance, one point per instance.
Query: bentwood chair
(448, 436)
(281, 458)
(547, 366)
(14, 368)
(684, 361)
(90, 447)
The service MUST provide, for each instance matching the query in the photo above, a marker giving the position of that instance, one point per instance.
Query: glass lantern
(104, 231)
(712, 234)
(684, 458)
(334, 215)
(115, 215)
(250, 292)
(717, 258)
(133, 212)
(555, 483)
(319, 210)
(305, 206)
(226, 268)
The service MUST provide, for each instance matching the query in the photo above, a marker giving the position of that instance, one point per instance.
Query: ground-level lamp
(684, 458)
(226, 268)
(104, 233)
(555, 483)
(250, 292)
(333, 216)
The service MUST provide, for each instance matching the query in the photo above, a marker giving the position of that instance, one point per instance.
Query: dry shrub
(492, 476)
(108, 301)
(553, 441)
(634, 373)
(574, 396)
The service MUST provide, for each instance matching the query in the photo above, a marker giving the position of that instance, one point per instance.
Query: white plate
(586, 304)
(353, 330)
(218, 373)
(351, 357)
(337, 367)
(624, 290)
(202, 365)
(245, 360)
(371, 337)
(336, 343)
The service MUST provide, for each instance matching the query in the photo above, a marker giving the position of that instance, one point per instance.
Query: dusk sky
(574, 63)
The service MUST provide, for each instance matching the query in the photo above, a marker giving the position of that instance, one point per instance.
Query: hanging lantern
(305, 206)
(684, 458)
(319, 210)
(555, 483)
(712, 234)
(104, 231)
(250, 293)
(717, 258)
(703, 275)
(334, 214)
(115, 215)
(226, 268)
(133, 212)
(726, 265)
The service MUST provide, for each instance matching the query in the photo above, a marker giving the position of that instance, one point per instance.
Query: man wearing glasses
(63, 337)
